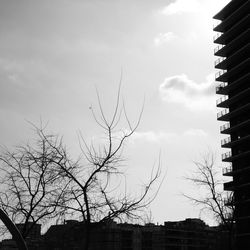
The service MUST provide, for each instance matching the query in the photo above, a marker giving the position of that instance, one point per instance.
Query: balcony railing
(221, 86)
(226, 155)
(216, 23)
(227, 170)
(229, 185)
(219, 60)
(229, 201)
(217, 35)
(225, 141)
(220, 73)
(222, 99)
(222, 113)
(219, 47)
(224, 126)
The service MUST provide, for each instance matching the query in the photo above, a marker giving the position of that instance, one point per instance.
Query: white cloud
(164, 38)
(154, 136)
(194, 6)
(182, 6)
(192, 37)
(157, 136)
(195, 96)
(195, 132)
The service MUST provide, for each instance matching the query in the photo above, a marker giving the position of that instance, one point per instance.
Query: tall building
(233, 50)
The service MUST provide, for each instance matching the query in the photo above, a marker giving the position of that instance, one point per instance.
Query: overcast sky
(54, 53)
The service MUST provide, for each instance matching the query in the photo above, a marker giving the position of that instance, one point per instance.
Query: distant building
(8, 244)
(190, 234)
(34, 229)
(33, 241)
(234, 76)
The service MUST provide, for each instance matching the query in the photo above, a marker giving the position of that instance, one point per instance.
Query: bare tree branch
(30, 190)
(213, 198)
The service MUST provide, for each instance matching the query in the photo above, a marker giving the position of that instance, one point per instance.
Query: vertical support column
(13, 230)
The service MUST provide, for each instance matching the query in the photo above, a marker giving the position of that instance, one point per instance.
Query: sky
(55, 54)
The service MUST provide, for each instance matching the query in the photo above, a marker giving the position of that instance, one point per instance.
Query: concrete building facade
(233, 50)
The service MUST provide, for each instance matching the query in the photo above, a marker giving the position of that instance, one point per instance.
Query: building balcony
(236, 72)
(228, 171)
(221, 100)
(230, 201)
(228, 128)
(225, 102)
(224, 88)
(235, 45)
(232, 186)
(240, 140)
(228, 143)
(225, 141)
(219, 60)
(229, 9)
(220, 87)
(221, 26)
(235, 30)
(218, 34)
(228, 157)
(225, 127)
(219, 75)
(226, 115)
(229, 186)
(233, 59)
(219, 47)
(222, 113)
(216, 23)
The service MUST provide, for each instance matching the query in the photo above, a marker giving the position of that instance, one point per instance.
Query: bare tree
(30, 191)
(96, 194)
(41, 182)
(212, 196)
